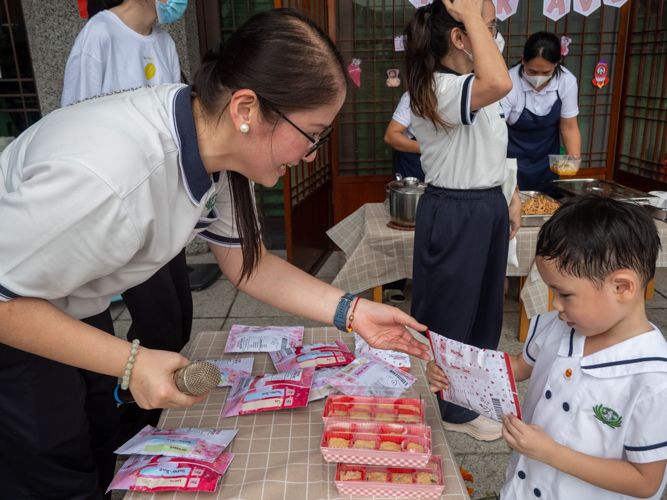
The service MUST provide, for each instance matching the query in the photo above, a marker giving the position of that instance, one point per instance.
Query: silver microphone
(193, 380)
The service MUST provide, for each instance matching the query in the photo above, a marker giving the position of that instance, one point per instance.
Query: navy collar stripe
(537, 320)
(7, 294)
(646, 448)
(571, 343)
(197, 179)
(624, 362)
(444, 69)
(215, 238)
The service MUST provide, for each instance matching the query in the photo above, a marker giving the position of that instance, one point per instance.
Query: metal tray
(534, 220)
(578, 187)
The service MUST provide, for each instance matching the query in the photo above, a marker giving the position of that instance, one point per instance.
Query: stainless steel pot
(403, 195)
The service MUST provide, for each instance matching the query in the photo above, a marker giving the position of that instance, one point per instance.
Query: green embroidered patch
(607, 416)
(211, 202)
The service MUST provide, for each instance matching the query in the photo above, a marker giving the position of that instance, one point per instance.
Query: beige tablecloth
(377, 254)
(278, 453)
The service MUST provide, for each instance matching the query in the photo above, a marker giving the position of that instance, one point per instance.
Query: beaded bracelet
(130, 363)
(351, 318)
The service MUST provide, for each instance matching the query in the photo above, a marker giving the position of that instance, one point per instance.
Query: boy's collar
(641, 354)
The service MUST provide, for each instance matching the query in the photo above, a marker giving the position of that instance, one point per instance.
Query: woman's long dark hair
(292, 65)
(427, 42)
(543, 44)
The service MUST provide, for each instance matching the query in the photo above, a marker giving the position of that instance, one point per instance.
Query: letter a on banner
(555, 9)
(505, 8)
(586, 7)
(615, 3)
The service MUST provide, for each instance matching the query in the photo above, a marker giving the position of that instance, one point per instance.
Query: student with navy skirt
(463, 222)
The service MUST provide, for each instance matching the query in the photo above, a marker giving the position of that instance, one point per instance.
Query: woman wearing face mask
(456, 77)
(111, 189)
(118, 49)
(541, 108)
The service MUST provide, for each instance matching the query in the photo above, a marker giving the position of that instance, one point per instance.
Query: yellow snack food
(350, 475)
(360, 415)
(378, 477)
(390, 446)
(408, 418)
(339, 443)
(364, 444)
(540, 205)
(432, 465)
(427, 478)
(385, 417)
(401, 477)
(416, 447)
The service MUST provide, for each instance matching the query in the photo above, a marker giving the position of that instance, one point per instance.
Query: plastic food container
(564, 165)
(368, 444)
(406, 411)
(401, 482)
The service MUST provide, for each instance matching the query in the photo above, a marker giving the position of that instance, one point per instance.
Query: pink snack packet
(232, 369)
(369, 375)
(479, 379)
(269, 392)
(395, 359)
(186, 442)
(317, 355)
(155, 474)
(321, 387)
(244, 338)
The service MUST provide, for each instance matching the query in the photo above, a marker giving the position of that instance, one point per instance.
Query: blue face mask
(171, 11)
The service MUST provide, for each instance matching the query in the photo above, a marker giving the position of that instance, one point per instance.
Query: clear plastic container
(564, 165)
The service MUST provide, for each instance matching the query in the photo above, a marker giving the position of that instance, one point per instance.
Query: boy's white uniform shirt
(402, 115)
(97, 197)
(108, 56)
(472, 153)
(610, 404)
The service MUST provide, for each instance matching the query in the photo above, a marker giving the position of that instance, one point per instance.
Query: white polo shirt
(97, 197)
(612, 405)
(524, 96)
(402, 115)
(470, 155)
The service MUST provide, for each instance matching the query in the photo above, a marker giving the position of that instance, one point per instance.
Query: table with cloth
(277, 453)
(377, 254)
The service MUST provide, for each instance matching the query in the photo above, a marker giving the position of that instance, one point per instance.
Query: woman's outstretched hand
(383, 327)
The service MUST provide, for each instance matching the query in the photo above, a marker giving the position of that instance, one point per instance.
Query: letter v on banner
(555, 9)
(586, 7)
(505, 8)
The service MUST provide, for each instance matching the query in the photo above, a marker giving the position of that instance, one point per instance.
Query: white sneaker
(481, 428)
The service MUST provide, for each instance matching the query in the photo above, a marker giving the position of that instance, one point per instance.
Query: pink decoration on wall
(505, 8)
(615, 3)
(586, 7)
(354, 70)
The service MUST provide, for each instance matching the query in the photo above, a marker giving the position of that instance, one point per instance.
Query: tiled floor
(221, 305)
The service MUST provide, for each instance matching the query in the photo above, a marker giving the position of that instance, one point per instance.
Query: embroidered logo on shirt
(211, 202)
(607, 416)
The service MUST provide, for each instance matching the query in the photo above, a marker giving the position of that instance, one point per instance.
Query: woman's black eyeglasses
(321, 138)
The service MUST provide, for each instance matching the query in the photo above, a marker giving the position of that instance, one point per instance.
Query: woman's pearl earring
(244, 128)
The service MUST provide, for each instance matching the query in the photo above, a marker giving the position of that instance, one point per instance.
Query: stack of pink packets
(186, 459)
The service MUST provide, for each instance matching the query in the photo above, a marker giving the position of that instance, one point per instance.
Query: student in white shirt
(593, 420)
(118, 49)
(98, 196)
(463, 225)
(541, 108)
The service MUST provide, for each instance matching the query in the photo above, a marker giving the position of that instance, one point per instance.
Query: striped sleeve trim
(646, 448)
(467, 117)
(537, 320)
(6, 294)
(219, 240)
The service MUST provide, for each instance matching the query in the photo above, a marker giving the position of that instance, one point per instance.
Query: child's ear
(626, 285)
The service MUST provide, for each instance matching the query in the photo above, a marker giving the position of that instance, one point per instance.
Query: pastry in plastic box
(393, 358)
(403, 482)
(407, 409)
(232, 369)
(479, 379)
(243, 338)
(269, 392)
(375, 448)
(319, 355)
(154, 474)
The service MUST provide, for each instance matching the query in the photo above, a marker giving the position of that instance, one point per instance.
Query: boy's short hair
(592, 237)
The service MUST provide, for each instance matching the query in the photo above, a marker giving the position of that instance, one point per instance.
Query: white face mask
(500, 42)
(536, 81)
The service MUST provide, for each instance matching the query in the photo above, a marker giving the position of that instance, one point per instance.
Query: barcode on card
(294, 376)
(245, 383)
(400, 377)
(287, 351)
(284, 343)
(497, 408)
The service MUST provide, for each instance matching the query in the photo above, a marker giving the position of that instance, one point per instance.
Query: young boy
(594, 424)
